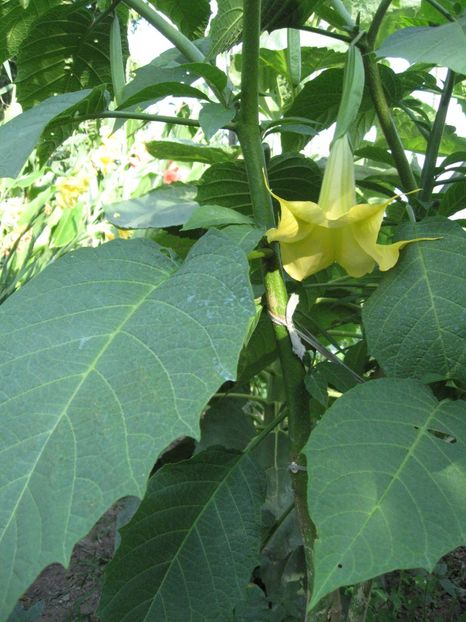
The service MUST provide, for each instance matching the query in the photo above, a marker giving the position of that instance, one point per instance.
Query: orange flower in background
(172, 173)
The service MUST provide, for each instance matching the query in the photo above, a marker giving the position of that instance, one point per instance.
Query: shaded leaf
(63, 126)
(44, 68)
(225, 424)
(107, 356)
(190, 17)
(191, 546)
(167, 206)
(454, 199)
(16, 22)
(294, 177)
(259, 352)
(19, 136)
(226, 184)
(415, 321)
(387, 474)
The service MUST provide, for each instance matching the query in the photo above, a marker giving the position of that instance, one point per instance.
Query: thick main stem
(276, 293)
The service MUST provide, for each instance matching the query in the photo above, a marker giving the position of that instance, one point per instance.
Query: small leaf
(168, 206)
(415, 320)
(186, 151)
(19, 136)
(213, 117)
(443, 45)
(206, 216)
(387, 475)
(196, 535)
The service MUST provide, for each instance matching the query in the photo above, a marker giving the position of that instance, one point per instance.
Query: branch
(277, 297)
(179, 40)
(433, 144)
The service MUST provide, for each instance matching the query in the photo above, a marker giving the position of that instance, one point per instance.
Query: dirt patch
(72, 595)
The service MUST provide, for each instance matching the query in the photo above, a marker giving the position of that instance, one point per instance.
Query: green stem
(433, 144)
(143, 116)
(276, 294)
(442, 10)
(182, 43)
(243, 396)
(326, 33)
(377, 21)
(374, 81)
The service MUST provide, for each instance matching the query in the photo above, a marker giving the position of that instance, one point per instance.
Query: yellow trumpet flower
(313, 236)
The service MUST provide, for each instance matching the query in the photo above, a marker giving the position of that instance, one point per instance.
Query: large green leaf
(190, 17)
(16, 22)
(19, 136)
(168, 206)
(387, 482)
(106, 357)
(192, 545)
(66, 50)
(415, 321)
(443, 45)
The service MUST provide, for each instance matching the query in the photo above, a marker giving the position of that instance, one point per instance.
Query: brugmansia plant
(299, 364)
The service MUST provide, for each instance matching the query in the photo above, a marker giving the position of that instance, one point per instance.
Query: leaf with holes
(387, 482)
(415, 321)
(107, 356)
(192, 545)
(44, 68)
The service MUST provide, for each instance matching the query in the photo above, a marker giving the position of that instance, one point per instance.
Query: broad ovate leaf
(387, 482)
(106, 357)
(192, 545)
(415, 321)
